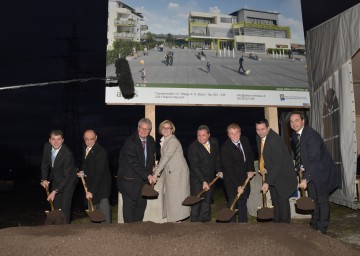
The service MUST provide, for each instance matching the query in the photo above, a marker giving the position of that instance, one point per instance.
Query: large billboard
(235, 53)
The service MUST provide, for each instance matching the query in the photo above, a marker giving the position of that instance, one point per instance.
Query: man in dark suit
(280, 176)
(59, 170)
(205, 164)
(238, 163)
(321, 176)
(95, 168)
(136, 164)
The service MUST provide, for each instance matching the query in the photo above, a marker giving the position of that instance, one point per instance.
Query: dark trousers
(201, 212)
(63, 201)
(321, 215)
(133, 209)
(241, 68)
(241, 205)
(281, 206)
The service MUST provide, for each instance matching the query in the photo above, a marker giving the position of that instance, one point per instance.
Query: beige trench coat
(175, 170)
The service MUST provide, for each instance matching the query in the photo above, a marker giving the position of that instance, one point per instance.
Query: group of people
(58, 171)
(233, 161)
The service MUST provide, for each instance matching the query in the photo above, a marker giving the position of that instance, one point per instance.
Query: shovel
(191, 200)
(94, 215)
(304, 203)
(265, 213)
(149, 191)
(54, 217)
(227, 214)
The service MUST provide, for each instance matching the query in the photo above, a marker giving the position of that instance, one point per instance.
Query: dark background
(46, 41)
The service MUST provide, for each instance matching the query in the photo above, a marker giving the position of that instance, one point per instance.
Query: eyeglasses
(89, 139)
(166, 128)
(144, 129)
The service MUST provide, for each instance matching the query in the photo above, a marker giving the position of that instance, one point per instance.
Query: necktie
(297, 153)
(87, 151)
(262, 164)
(144, 146)
(53, 156)
(241, 151)
(207, 146)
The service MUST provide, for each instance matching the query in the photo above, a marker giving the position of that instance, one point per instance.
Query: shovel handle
(239, 193)
(302, 191)
(210, 184)
(86, 190)
(50, 202)
(264, 194)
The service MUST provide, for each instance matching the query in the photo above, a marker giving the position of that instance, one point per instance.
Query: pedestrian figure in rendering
(241, 67)
(142, 74)
(208, 66)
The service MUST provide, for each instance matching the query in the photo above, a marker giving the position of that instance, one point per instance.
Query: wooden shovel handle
(50, 202)
(210, 184)
(264, 194)
(302, 191)
(239, 193)
(86, 190)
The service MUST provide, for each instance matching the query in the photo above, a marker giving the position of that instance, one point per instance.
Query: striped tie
(297, 154)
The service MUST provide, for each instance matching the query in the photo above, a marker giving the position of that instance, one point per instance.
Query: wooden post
(271, 115)
(150, 113)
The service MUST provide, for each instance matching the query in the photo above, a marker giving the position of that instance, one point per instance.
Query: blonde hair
(233, 126)
(167, 122)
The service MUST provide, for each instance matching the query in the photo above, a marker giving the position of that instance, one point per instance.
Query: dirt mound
(185, 238)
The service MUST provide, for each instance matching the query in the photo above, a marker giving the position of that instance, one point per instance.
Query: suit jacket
(63, 175)
(317, 161)
(96, 168)
(279, 164)
(235, 169)
(203, 165)
(133, 171)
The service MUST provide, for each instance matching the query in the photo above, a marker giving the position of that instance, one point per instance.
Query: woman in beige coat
(176, 171)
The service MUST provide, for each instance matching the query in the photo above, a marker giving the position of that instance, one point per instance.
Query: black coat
(203, 165)
(317, 161)
(235, 169)
(98, 176)
(279, 164)
(63, 175)
(133, 172)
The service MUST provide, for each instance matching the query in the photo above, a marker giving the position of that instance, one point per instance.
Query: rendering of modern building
(124, 23)
(243, 30)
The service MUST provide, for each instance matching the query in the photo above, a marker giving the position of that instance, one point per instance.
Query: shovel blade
(191, 200)
(305, 204)
(55, 217)
(96, 216)
(149, 191)
(265, 213)
(225, 214)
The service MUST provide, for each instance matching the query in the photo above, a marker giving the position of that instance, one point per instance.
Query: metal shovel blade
(149, 191)
(305, 204)
(265, 213)
(191, 200)
(55, 217)
(226, 214)
(96, 216)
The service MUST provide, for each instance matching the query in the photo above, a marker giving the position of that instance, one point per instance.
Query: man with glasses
(95, 168)
(136, 164)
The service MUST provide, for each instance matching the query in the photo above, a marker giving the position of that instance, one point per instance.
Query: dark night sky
(39, 41)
